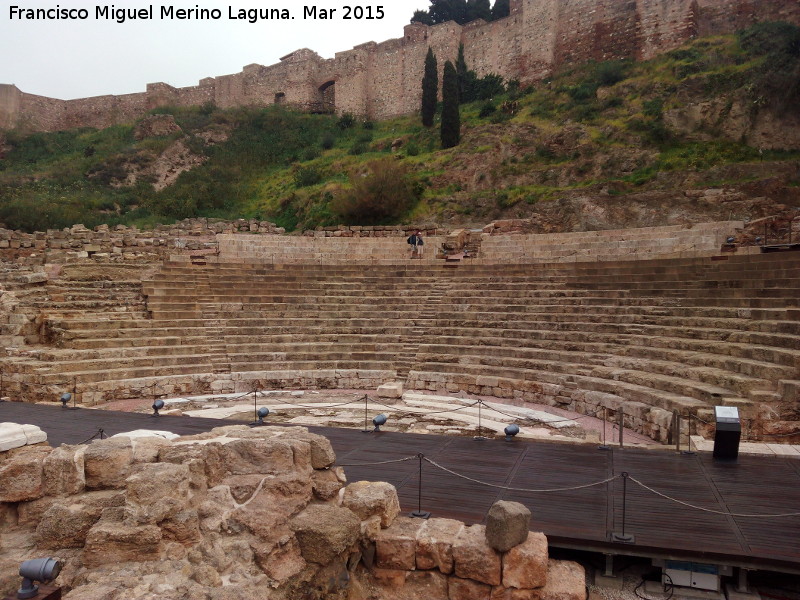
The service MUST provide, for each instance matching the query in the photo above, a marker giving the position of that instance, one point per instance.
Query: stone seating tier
(674, 334)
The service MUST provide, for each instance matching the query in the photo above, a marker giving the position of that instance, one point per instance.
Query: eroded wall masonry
(249, 513)
(381, 80)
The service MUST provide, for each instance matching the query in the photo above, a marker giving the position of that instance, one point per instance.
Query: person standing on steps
(416, 243)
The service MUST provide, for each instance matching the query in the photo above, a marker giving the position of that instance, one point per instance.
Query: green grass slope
(718, 112)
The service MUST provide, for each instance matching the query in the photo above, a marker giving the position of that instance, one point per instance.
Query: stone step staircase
(418, 328)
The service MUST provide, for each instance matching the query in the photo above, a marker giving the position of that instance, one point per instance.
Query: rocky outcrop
(156, 126)
(736, 119)
(245, 513)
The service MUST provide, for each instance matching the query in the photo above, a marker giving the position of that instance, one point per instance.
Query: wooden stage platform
(583, 518)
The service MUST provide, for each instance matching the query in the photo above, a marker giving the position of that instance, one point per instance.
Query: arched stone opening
(280, 98)
(327, 93)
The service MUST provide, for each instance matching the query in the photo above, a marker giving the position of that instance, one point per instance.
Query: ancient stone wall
(383, 80)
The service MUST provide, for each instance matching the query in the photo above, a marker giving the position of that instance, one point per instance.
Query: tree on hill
(460, 11)
(430, 89)
(479, 9)
(501, 9)
(451, 118)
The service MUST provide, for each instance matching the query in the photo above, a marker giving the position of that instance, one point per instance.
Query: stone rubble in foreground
(242, 513)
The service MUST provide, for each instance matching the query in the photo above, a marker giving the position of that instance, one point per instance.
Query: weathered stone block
(13, 435)
(107, 463)
(110, 543)
(435, 544)
(474, 558)
(396, 546)
(21, 475)
(246, 457)
(326, 484)
(158, 490)
(325, 531)
(64, 471)
(507, 525)
(525, 565)
(367, 499)
(566, 580)
(467, 589)
(392, 390)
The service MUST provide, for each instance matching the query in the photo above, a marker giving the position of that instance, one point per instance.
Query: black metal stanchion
(419, 513)
(604, 446)
(623, 537)
(102, 434)
(258, 419)
(366, 416)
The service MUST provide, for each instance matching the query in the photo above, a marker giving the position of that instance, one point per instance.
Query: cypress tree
(430, 89)
(462, 71)
(451, 118)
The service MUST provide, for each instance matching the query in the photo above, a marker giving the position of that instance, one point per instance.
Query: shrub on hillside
(346, 121)
(381, 194)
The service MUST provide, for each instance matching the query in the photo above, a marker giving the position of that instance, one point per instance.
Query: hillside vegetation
(599, 145)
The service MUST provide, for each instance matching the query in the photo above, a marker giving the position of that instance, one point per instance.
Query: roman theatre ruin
(652, 326)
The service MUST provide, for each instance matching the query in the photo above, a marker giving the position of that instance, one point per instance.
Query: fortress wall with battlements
(384, 80)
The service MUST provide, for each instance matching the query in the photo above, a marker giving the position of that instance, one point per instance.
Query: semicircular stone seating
(649, 322)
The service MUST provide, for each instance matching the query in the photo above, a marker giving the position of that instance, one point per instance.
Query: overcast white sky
(79, 58)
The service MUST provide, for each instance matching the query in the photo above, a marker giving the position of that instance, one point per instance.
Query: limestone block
(474, 558)
(504, 593)
(110, 543)
(107, 463)
(22, 475)
(391, 390)
(182, 527)
(246, 457)
(507, 525)
(435, 544)
(280, 562)
(13, 435)
(566, 580)
(411, 585)
(64, 471)
(525, 565)
(325, 531)
(158, 490)
(146, 449)
(322, 454)
(66, 524)
(370, 528)
(326, 485)
(368, 499)
(467, 589)
(396, 546)
(147, 433)
(30, 513)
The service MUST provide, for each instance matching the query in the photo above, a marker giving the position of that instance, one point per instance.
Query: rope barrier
(513, 489)
(711, 510)
(382, 462)
(100, 433)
